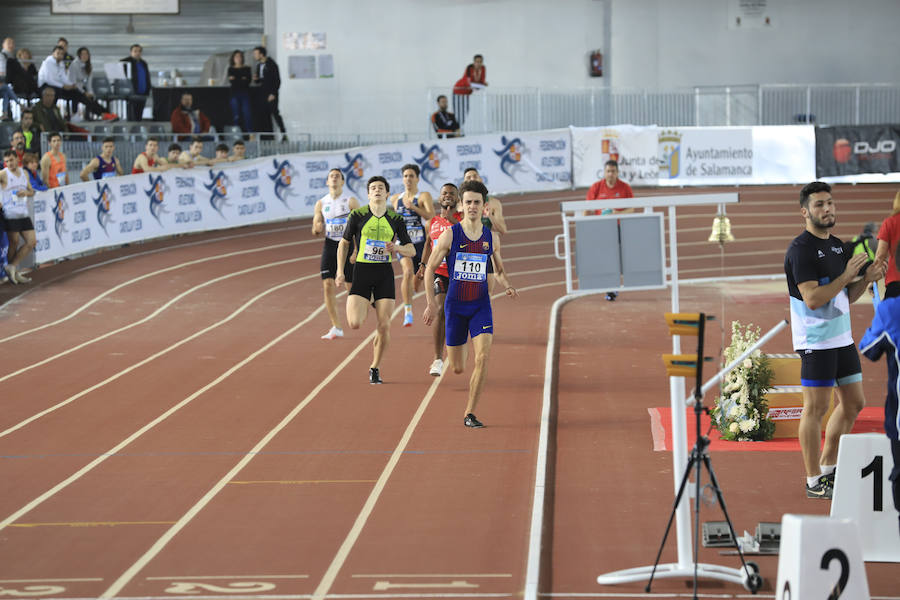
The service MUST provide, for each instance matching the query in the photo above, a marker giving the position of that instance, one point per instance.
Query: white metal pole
(679, 418)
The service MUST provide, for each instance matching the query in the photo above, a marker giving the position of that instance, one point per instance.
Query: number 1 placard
(862, 492)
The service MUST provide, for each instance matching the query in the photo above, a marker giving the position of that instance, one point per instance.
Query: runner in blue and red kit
(468, 246)
(103, 165)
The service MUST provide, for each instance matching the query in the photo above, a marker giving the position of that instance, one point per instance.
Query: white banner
(676, 156)
(85, 216)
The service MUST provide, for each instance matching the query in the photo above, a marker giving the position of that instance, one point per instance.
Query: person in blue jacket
(883, 337)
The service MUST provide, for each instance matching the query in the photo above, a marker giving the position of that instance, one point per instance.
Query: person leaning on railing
(30, 162)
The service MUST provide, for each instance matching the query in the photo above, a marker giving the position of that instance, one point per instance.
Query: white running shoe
(11, 274)
(436, 367)
(21, 278)
(334, 332)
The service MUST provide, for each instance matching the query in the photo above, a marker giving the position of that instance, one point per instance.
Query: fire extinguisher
(596, 64)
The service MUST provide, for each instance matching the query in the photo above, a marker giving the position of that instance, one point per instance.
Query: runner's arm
(45, 169)
(405, 246)
(499, 270)
(89, 169)
(426, 254)
(441, 249)
(425, 209)
(318, 222)
(498, 223)
(815, 295)
(875, 272)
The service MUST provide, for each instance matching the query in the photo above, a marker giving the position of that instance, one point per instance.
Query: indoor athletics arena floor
(173, 427)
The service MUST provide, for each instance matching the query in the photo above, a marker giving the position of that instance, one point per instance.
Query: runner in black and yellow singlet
(374, 227)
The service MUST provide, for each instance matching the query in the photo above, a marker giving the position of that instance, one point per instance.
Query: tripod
(698, 458)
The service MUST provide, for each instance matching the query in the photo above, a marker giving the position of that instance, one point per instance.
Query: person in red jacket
(187, 119)
(606, 189)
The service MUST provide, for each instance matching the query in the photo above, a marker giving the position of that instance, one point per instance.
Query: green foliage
(741, 411)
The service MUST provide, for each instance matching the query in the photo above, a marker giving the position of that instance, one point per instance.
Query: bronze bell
(721, 229)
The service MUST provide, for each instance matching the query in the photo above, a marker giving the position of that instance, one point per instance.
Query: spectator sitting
(67, 58)
(30, 162)
(221, 153)
(443, 121)
(187, 119)
(103, 165)
(140, 81)
(53, 73)
(238, 151)
(173, 153)
(46, 114)
(194, 154)
(80, 72)
(17, 143)
(27, 86)
(31, 132)
(148, 160)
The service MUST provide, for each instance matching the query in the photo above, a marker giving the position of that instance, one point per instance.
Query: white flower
(748, 364)
(746, 425)
(733, 412)
(735, 396)
(733, 428)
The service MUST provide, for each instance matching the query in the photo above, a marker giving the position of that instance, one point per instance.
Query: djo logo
(882, 147)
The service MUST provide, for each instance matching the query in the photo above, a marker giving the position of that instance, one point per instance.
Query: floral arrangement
(741, 411)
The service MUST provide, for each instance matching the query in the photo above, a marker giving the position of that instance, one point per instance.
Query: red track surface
(187, 433)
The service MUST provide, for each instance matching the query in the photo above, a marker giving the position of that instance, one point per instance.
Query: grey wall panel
(183, 42)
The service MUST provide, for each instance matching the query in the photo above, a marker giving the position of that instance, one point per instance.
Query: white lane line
(152, 315)
(338, 561)
(198, 577)
(52, 580)
(134, 280)
(152, 357)
(137, 434)
(441, 575)
(157, 547)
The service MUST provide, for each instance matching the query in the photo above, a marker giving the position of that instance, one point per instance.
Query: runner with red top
(468, 246)
(449, 199)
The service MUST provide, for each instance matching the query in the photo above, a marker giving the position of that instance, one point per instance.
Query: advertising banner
(677, 156)
(854, 150)
(110, 212)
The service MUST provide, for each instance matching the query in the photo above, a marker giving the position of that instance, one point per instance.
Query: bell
(721, 229)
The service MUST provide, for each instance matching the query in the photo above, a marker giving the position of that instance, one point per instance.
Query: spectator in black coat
(267, 76)
(140, 82)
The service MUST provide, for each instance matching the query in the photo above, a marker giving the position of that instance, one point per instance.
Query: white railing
(526, 109)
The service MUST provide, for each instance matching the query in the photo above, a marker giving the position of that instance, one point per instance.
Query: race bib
(335, 227)
(61, 177)
(17, 206)
(416, 234)
(470, 267)
(106, 174)
(376, 251)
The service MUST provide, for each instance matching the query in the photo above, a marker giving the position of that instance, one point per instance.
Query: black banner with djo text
(852, 150)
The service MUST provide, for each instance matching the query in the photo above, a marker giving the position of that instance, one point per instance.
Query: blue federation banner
(110, 212)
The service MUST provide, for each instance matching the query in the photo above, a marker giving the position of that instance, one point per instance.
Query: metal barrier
(81, 148)
(492, 110)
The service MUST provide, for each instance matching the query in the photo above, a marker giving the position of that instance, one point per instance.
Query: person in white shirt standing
(53, 73)
(16, 189)
(330, 218)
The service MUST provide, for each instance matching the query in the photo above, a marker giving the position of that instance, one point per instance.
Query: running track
(174, 427)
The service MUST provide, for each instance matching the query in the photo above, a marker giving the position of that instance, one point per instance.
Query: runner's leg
(482, 348)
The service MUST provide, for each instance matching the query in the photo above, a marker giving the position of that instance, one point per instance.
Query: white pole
(679, 418)
(718, 376)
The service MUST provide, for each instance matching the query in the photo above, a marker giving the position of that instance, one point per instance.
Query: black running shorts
(375, 281)
(827, 368)
(329, 262)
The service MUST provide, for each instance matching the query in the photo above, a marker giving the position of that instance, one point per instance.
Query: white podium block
(820, 557)
(862, 492)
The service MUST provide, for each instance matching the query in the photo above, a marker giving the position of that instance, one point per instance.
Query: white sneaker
(21, 278)
(436, 367)
(11, 274)
(334, 332)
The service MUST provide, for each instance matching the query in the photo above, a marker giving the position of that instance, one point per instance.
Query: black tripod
(699, 457)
